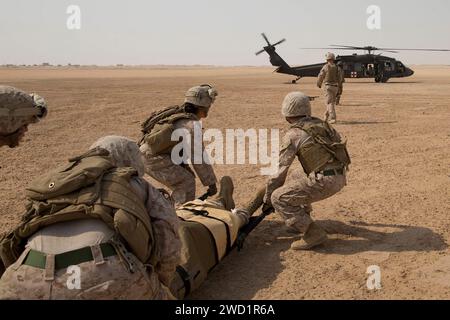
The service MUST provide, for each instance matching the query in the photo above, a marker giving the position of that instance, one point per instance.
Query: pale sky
(212, 32)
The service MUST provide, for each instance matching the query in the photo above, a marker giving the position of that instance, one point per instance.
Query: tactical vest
(207, 234)
(332, 74)
(159, 138)
(89, 186)
(323, 149)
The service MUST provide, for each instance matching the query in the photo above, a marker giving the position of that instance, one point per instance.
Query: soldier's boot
(294, 229)
(313, 237)
(225, 194)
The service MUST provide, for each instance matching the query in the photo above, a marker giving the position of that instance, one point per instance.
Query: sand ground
(393, 213)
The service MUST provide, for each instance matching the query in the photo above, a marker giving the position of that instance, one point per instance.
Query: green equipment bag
(88, 187)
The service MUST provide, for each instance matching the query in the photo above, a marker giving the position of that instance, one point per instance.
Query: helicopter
(368, 65)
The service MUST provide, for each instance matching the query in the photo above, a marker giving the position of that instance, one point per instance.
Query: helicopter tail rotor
(269, 45)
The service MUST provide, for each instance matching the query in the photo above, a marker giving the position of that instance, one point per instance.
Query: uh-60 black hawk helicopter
(369, 65)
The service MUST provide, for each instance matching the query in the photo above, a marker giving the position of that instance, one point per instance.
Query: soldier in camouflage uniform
(179, 177)
(324, 159)
(107, 269)
(17, 110)
(331, 75)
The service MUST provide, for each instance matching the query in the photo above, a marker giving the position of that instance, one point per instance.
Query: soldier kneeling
(93, 229)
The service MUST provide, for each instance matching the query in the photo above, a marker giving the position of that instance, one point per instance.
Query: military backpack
(158, 129)
(89, 186)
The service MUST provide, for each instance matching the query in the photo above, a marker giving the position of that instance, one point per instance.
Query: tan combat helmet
(201, 96)
(296, 104)
(18, 108)
(330, 56)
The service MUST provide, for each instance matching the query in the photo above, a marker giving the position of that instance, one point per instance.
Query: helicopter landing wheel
(377, 79)
(294, 81)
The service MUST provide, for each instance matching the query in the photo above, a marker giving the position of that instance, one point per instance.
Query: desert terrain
(394, 212)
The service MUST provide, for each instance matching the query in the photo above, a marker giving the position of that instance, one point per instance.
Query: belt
(38, 259)
(331, 172)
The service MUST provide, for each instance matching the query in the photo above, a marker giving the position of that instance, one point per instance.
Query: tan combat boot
(225, 194)
(313, 237)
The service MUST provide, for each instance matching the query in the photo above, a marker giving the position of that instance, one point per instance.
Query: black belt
(38, 259)
(331, 172)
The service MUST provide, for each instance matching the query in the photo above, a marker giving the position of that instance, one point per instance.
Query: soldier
(341, 87)
(17, 110)
(324, 159)
(94, 229)
(331, 75)
(157, 146)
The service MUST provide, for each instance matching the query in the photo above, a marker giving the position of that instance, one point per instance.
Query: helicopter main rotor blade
(277, 43)
(348, 47)
(265, 38)
(315, 48)
(441, 50)
(259, 52)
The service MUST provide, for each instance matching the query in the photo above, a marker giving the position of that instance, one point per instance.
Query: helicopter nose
(409, 72)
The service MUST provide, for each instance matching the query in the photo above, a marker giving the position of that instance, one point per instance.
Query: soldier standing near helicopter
(331, 75)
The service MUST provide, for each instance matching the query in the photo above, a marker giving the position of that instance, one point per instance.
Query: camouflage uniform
(104, 277)
(180, 179)
(331, 75)
(17, 110)
(293, 199)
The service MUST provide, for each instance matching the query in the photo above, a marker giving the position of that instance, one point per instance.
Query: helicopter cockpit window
(388, 66)
(400, 67)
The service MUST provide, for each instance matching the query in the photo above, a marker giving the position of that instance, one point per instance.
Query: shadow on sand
(402, 238)
(242, 274)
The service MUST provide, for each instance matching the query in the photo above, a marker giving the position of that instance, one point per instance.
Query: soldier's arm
(288, 153)
(203, 168)
(321, 76)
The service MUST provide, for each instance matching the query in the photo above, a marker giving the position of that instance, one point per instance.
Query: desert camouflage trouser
(330, 96)
(179, 179)
(109, 280)
(293, 200)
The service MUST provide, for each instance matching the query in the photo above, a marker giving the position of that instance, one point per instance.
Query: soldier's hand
(212, 189)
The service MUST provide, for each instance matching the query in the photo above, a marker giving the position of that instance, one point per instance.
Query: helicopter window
(358, 67)
(387, 66)
(400, 67)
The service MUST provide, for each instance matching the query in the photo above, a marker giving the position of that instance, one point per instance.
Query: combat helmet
(330, 56)
(18, 108)
(296, 104)
(201, 96)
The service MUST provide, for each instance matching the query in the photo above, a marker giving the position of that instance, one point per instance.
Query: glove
(212, 189)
